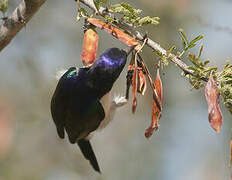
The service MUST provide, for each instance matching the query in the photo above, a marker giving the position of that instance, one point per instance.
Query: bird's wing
(75, 106)
(84, 115)
(59, 103)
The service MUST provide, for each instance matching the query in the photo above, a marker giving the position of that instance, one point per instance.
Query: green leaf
(3, 6)
(125, 9)
(183, 43)
(227, 65)
(200, 51)
(127, 6)
(198, 38)
(164, 60)
(109, 19)
(131, 9)
(172, 49)
(206, 62)
(184, 36)
(100, 3)
(81, 13)
(191, 46)
(131, 15)
(149, 20)
(192, 56)
(192, 68)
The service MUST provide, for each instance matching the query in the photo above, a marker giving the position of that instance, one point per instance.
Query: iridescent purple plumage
(76, 106)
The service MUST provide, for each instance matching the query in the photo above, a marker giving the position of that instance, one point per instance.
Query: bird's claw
(120, 101)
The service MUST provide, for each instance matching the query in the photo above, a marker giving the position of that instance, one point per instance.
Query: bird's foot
(120, 100)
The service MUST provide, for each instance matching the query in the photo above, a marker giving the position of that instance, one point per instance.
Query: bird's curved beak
(130, 50)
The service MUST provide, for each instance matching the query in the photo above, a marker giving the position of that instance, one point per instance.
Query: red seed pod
(120, 35)
(90, 47)
(131, 67)
(156, 113)
(214, 112)
(159, 86)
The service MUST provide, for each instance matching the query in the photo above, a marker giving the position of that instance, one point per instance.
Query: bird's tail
(88, 153)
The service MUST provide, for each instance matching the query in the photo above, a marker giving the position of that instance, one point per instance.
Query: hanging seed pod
(132, 79)
(120, 35)
(214, 112)
(156, 113)
(155, 94)
(159, 86)
(129, 77)
(90, 47)
(134, 86)
(142, 83)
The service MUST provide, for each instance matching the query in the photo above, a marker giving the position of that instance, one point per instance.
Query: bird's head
(107, 68)
(111, 61)
(113, 57)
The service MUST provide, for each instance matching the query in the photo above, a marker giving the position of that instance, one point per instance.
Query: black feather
(88, 153)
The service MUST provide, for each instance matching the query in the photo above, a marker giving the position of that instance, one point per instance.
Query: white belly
(109, 109)
(105, 102)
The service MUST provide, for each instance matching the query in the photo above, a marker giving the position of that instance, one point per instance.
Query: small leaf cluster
(100, 3)
(200, 70)
(109, 19)
(224, 79)
(3, 6)
(81, 13)
(164, 58)
(185, 41)
(132, 15)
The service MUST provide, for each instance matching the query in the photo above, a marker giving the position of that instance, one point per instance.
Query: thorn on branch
(21, 19)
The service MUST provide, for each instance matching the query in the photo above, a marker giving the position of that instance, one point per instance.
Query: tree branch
(139, 36)
(17, 20)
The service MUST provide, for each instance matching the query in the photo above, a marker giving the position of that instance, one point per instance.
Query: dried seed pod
(159, 86)
(155, 94)
(120, 35)
(90, 47)
(214, 111)
(129, 77)
(142, 84)
(134, 86)
(156, 113)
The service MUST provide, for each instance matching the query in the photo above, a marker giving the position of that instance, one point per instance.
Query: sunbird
(81, 102)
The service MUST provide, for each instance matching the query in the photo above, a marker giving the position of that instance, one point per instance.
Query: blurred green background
(185, 147)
